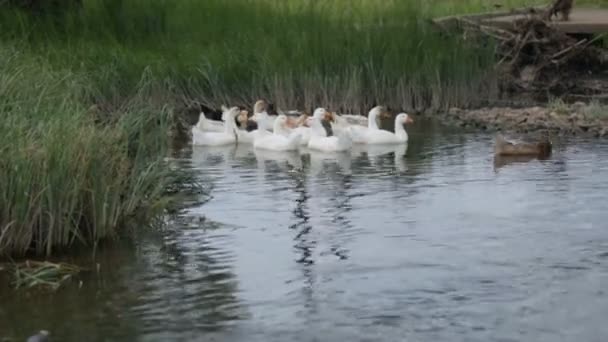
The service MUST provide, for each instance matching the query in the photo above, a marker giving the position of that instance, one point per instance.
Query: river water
(436, 243)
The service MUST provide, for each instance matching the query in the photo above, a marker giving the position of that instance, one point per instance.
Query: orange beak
(409, 120)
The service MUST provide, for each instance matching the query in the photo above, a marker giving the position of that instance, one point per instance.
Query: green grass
(341, 53)
(69, 176)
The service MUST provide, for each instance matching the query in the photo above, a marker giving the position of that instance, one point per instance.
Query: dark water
(437, 245)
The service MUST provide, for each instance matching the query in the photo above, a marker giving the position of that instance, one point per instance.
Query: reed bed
(70, 176)
(347, 55)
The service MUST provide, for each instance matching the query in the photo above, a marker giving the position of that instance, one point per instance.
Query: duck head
(380, 112)
(404, 119)
(230, 113)
(319, 113)
(260, 106)
(280, 123)
(243, 118)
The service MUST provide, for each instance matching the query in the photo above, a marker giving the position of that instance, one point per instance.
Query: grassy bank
(69, 175)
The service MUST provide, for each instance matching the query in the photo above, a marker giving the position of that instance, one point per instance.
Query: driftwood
(535, 57)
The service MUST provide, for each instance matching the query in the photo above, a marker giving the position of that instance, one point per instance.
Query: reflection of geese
(376, 154)
(319, 159)
(212, 155)
(339, 207)
(290, 157)
(400, 164)
(242, 151)
(304, 242)
(188, 267)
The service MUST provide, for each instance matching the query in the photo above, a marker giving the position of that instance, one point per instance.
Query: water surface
(436, 242)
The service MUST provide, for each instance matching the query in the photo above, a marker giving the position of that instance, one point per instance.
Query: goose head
(404, 119)
(227, 112)
(242, 118)
(319, 113)
(280, 123)
(380, 112)
(230, 113)
(260, 106)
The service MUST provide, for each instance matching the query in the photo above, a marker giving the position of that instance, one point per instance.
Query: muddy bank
(575, 119)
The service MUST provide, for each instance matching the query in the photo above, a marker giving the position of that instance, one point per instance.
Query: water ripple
(435, 241)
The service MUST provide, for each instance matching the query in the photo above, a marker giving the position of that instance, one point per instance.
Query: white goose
(354, 119)
(305, 131)
(359, 132)
(340, 124)
(260, 112)
(227, 137)
(319, 140)
(249, 137)
(206, 125)
(278, 140)
(380, 136)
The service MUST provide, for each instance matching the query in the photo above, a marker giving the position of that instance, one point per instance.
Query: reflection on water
(437, 240)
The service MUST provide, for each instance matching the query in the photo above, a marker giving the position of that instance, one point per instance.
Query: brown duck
(540, 148)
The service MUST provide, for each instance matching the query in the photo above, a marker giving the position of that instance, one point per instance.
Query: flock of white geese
(323, 131)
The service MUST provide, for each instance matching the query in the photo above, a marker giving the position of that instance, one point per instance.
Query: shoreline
(578, 119)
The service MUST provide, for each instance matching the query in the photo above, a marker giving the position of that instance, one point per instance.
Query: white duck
(227, 137)
(278, 140)
(380, 136)
(359, 132)
(340, 124)
(260, 112)
(249, 137)
(305, 130)
(206, 125)
(354, 119)
(319, 140)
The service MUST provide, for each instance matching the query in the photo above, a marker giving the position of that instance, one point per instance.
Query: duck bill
(409, 120)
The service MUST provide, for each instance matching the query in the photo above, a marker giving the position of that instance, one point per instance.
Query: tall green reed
(70, 177)
(347, 54)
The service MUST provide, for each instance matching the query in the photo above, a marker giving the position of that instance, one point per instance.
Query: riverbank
(559, 118)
